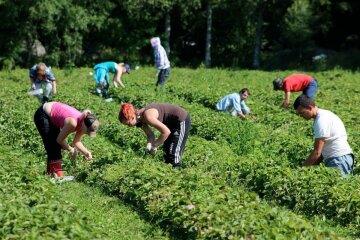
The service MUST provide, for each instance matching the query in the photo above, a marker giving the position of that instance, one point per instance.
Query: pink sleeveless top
(61, 111)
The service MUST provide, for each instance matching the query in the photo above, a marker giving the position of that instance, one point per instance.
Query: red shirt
(296, 82)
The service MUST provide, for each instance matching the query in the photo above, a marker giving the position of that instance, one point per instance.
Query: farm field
(239, 179)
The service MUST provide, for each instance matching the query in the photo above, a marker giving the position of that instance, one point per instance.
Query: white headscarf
(155, 41)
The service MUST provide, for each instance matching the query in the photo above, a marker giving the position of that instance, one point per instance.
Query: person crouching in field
(295, 83)
(234, 104)
(171, 121)
(330, 137)
(102, 77)
(55, 121)
(40, 75)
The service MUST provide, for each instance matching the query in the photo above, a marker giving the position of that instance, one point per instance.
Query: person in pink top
(295, 83)
(55, 121)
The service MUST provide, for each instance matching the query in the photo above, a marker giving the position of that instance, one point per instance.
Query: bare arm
(286, 102)
(150, 117)
(69, 127)
(54, 87)
(150, 136)
(78, 144)
(117, 76)
(315, 155)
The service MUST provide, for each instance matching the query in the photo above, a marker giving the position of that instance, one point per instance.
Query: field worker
(162, 63)
(55, 121)
(330, 137)
(171, 121)
(102, 76)
(40, 75)
(234, 104)
(295, 83)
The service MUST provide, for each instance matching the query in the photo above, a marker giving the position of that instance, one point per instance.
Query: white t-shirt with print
(329, 126)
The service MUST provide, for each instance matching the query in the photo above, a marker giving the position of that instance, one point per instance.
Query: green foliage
(82, 33)
(30, 208)
(298, 24)
(240, 176)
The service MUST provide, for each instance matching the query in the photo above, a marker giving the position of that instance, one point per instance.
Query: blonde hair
(41, 69)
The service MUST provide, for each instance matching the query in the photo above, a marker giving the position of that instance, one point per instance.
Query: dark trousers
(48, 133)
(162, 77)
(175, 144)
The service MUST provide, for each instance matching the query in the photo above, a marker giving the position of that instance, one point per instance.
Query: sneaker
(55, 180)
(66, 179)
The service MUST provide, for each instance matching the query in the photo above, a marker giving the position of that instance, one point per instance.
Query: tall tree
(258, 36)
(298, 24)
(58, 25)
(159, 10)
(208, 34)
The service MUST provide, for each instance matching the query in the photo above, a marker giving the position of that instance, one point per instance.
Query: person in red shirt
(295, 83)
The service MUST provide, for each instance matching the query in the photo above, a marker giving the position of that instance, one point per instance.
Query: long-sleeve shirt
(161, 59)
(49, 76)
(231, 103)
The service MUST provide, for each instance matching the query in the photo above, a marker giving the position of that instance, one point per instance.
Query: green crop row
(253, 218)
(31, 209)
(266, 172)
(217, 164)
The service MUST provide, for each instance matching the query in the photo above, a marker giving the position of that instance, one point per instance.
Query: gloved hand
(148, 147)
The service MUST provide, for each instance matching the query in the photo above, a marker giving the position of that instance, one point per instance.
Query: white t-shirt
(330, 127)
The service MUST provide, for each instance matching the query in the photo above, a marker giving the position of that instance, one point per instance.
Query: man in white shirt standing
(330, 137)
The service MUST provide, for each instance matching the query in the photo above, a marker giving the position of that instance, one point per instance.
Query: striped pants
(175, 144)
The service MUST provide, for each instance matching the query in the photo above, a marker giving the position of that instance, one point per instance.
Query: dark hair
(89, 120)
(303, 101)
(245, 90)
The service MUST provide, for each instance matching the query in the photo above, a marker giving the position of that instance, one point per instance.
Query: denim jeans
(344, 163)
(162, 77)
(311, 89)
(48, 90)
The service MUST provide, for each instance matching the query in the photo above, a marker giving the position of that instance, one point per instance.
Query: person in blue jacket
(40, 75)
(234, 104)
(102, 78)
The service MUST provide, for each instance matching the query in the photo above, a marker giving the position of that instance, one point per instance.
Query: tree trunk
(167, 32)
(208, 35)
(256, 59)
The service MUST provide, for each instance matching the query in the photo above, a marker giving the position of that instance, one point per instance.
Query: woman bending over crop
(55, 121)
(171, 121)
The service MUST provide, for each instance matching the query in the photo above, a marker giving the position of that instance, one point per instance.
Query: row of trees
(237, 33)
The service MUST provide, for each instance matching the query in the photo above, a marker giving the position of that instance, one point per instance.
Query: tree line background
(252, 34)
